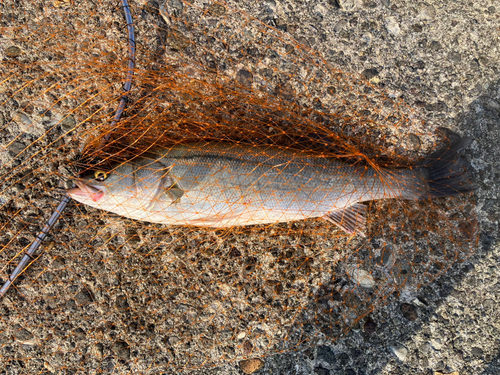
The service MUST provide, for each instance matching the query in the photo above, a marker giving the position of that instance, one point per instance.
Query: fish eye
(100, 175)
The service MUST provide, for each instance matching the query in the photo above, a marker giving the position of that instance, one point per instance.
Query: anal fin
(350, 219)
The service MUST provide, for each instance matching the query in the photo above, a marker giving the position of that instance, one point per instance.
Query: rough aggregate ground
(443, 59)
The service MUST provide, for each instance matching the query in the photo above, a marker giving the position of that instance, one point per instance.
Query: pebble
(370, 73)
(68, 123)
(428, 12)
(321, 371)
(247, 347)
(492, 105)
(342, 358)
(24, 336)
(392, 26)
(325, 353)
(370, 326)
(361, 277)
(341, 25)
(409, 312)
(25, 120)
(249, 366)
(399, 351)
(455, 57)
(348, 5)
(13, 51)
(244, 78)
(436, 344)
(477, 352)
(15, 148)
(122, 349)
(217, 10)
(176, 4)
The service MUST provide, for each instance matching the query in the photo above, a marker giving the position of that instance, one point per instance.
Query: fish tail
(445, 173)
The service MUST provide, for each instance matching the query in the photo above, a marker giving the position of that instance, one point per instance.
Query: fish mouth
(85, 190)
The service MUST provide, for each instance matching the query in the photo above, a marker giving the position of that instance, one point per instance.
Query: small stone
(492, 105)
(435, 46)
(15, 148)
(325, 353)
(217, 10)
(24, 120)
(68, 123)
(83, 297)
(369, 4)
(244, 78)
(428, 12)
(58, 263)
(348, 5)
(477, 352)
(249, 366)
(455, 56)
(61, 3)
(24, 336)
(370, 326)
(409, 312)
(341, 25)
(370, 73)
(436, 344)
(392, 26)
(334, 3)
(13, 51)
(451, 373)
(343, 359)
(247, 347)
(122, 349)
(399, 351)
(177, 41)
(360, 277)
(321, 371)
(468, 229)
(176, 4)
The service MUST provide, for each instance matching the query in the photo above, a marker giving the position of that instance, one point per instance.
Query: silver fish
(224, 185)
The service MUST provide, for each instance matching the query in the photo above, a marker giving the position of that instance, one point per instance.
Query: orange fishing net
(109, 292)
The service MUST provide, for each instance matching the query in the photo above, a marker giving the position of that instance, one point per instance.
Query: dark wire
(29, 254)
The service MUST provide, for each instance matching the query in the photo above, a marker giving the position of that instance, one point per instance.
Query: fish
(221, 185)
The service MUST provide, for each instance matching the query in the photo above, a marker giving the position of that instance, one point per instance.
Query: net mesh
(110, 292)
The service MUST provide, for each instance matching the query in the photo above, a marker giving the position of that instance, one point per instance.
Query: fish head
(104, 189)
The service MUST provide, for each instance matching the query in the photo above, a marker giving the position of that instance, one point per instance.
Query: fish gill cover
(113, 293)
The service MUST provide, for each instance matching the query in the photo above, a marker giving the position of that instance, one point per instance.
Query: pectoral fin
(169, 189)
(350, 219)
(174, 193)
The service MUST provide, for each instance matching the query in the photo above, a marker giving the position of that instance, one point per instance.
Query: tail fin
(445, 174)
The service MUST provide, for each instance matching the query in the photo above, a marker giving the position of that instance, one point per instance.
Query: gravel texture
(442, 59)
